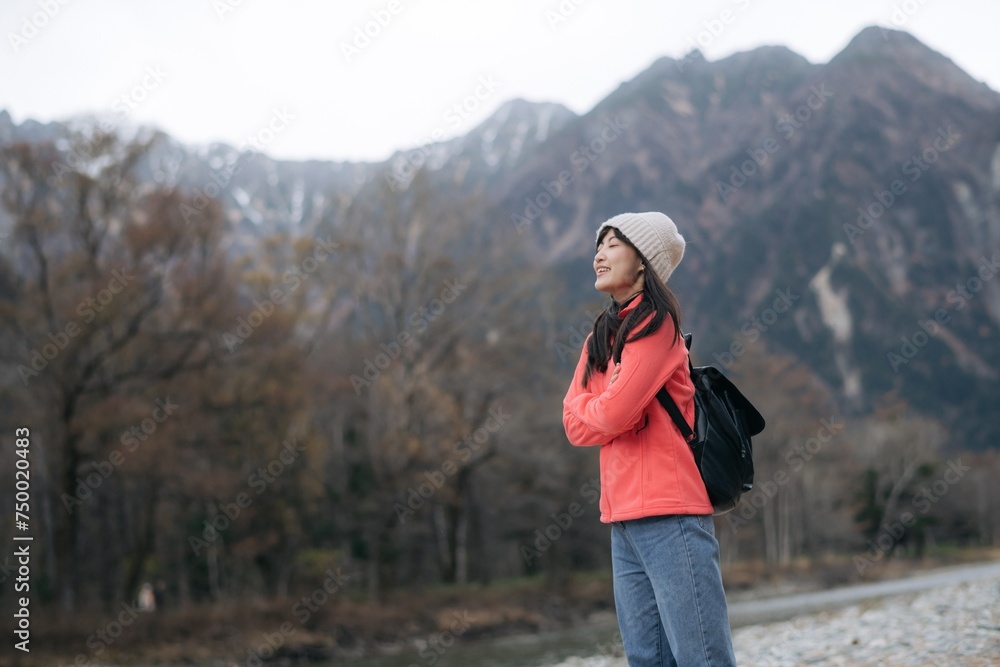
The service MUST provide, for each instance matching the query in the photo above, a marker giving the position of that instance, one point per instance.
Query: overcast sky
(223, 70)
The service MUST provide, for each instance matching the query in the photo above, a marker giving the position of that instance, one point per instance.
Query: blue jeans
(668, 592)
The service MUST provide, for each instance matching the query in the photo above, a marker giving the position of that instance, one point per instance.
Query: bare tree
(434, 345)
(114, 297)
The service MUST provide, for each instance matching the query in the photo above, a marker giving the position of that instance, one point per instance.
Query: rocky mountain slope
(861, 196)
(845, 213)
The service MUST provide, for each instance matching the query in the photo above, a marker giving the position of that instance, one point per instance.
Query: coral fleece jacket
(647, 469)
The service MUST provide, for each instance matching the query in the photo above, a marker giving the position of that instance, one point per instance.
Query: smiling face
(618, 266)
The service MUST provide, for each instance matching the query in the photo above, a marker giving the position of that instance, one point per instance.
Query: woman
(668, 586)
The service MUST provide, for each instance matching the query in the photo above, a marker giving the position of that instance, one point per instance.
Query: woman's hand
(614, 374)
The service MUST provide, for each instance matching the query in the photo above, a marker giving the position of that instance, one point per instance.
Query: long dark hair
(658, 299)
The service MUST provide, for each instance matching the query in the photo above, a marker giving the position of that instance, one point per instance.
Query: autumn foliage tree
(114, 315)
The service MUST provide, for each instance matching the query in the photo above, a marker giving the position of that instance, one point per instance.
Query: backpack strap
(667, 401)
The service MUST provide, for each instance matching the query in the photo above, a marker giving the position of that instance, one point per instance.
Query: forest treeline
(227, 416)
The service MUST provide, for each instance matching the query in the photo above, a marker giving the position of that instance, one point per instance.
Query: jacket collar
(630, 305)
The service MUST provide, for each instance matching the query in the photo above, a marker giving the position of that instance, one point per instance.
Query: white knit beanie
(656, 237)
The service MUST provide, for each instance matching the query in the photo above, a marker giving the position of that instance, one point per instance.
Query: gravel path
(956, 625)
(951, 625)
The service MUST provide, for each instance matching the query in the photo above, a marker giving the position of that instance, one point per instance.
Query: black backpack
(724, 421)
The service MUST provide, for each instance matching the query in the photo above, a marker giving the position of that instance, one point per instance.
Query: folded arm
(597, 415)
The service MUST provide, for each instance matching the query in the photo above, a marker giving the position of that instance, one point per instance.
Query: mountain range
(846, 214)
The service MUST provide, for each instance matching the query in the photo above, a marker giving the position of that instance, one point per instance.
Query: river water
(541, 650)
(600, 637)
